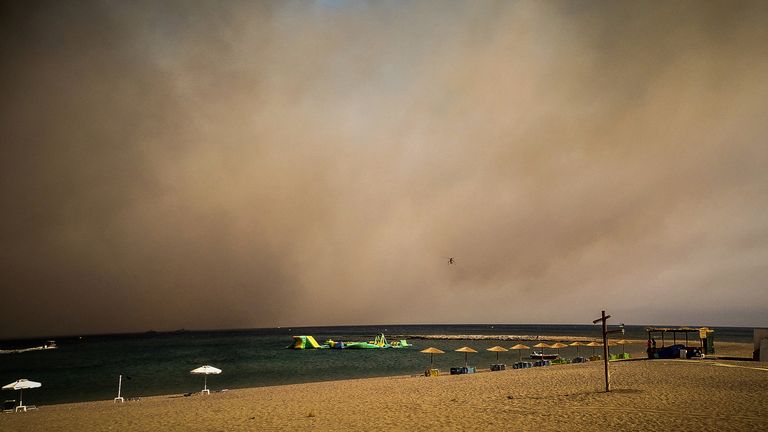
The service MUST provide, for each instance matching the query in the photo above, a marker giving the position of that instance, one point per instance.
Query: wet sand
(701, 395)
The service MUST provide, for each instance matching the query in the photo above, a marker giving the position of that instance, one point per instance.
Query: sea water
(87, 368)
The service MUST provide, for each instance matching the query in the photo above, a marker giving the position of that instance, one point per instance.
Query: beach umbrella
(20, 385)
(593, 344)
(577, 344)
(557, 346)
(432, 351)
(497, 349)
(205, 371)
(623, 342)
(541, 345)
(466, 351)
(520, 347)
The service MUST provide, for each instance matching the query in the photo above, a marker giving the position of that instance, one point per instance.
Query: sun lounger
(463, 370)
(432, 372)
(498, 367)
(9, 405)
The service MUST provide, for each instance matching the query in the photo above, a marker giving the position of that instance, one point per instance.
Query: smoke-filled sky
(201, 164)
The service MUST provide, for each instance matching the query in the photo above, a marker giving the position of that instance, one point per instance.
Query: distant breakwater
(527, 338)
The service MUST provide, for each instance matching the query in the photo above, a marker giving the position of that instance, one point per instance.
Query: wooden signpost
(604, 319)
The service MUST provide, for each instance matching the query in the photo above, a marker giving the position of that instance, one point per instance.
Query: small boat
(541, 356)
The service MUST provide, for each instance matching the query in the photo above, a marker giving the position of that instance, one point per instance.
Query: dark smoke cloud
(242, 164)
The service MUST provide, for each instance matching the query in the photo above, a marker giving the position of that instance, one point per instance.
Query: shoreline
(647, 394)
(732, 351)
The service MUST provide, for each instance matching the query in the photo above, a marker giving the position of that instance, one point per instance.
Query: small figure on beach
(450, 261)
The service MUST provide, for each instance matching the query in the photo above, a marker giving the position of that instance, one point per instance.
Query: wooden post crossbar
(604, 320)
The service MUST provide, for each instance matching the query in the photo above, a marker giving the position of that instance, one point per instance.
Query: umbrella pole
(21, 397)
(205, 382)
(431, 361)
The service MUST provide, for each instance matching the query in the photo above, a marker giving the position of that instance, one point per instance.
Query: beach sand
(700, 395)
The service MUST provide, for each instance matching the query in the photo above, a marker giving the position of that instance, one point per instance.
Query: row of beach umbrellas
(498, 349)
(24, 383)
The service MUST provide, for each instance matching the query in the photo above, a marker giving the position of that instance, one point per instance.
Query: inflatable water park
(380, 342)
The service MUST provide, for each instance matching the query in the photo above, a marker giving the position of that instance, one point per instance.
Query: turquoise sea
(87, 368)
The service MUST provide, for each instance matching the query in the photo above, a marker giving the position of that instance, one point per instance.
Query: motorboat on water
(541, 356)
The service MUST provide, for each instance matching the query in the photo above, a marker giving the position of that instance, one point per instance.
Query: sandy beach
(701, 395)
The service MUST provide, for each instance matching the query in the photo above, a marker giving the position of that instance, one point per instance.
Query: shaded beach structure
(205, 371)
(466, 351)
(432, 351)
(519, 347)
(705, 345)
(623, 342)
(20, 385)
(557, 346)
(576, 344)
(466, 369)
(542, 354)
(498, 366)
(497, 349)
(594, 345)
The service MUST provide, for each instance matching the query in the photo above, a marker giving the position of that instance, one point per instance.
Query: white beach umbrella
(206, 370)
(20, 385)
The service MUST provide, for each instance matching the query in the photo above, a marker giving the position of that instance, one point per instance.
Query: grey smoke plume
(243, 164)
